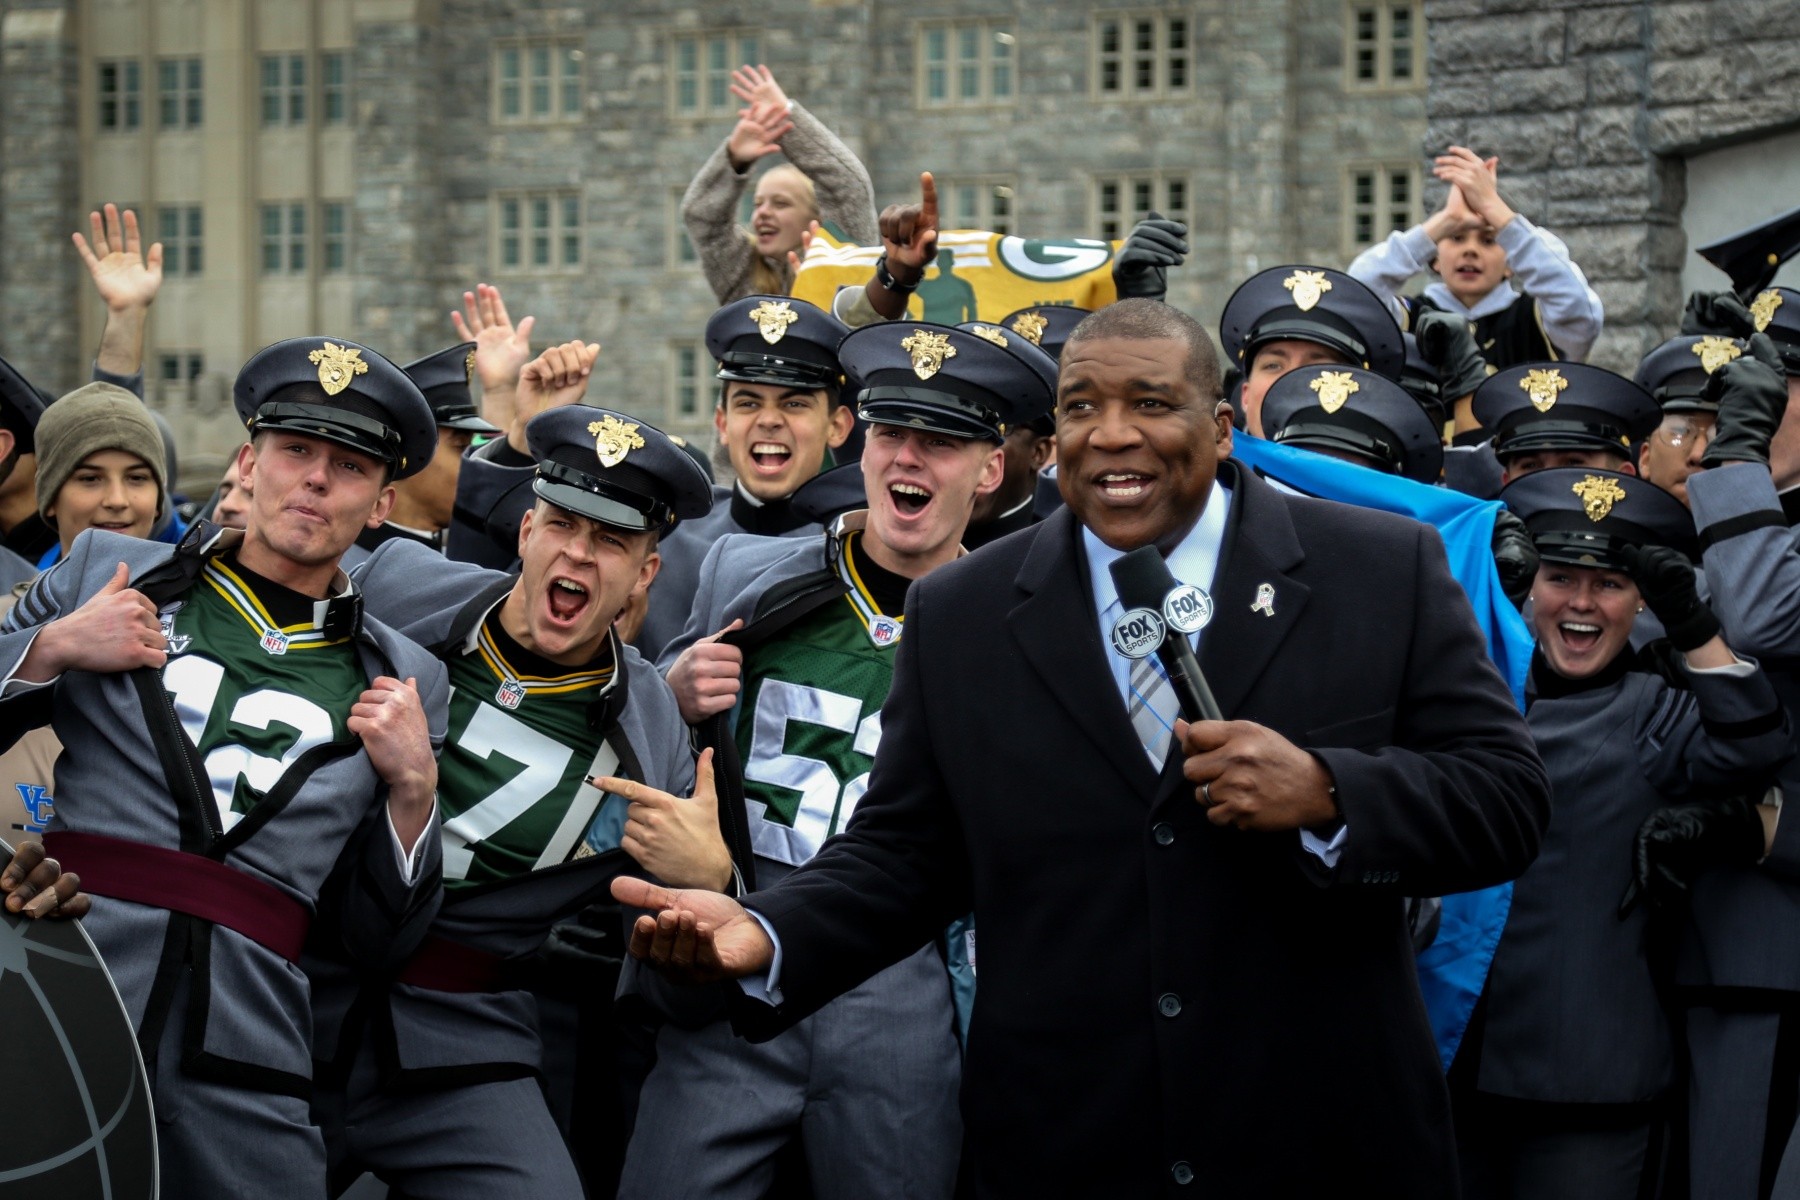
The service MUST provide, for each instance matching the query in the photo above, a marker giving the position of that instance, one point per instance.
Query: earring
(1640, 608)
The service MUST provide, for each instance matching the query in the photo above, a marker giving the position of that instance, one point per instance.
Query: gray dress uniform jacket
(327, 847)
(1572, 1009)
(1744, 930)
(14, 570)
(446, 1038)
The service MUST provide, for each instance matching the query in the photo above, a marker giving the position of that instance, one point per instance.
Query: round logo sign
(1049, 261)
(1138, 633)
(1187, 608)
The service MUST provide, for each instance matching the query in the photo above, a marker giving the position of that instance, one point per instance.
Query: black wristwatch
(886, 279)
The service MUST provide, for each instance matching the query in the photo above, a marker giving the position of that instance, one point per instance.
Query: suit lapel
(1055, 628)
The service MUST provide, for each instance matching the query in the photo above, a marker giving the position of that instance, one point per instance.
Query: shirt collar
(1195, 560)
(1502, 297)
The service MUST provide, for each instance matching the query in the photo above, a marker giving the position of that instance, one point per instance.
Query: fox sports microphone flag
(1454, 967)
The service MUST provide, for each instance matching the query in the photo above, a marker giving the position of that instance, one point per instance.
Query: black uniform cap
(943, 379)
(1564, 406)
(1033, 355)
(1675, 373)
(1046, 326)
(20, 407)
(1349, 409)
(615, 469)
(1776, 312)
(1586, 518)
(776, 340)
(1752, 256)
(444, 378)
(345, 393)
(1312, 304)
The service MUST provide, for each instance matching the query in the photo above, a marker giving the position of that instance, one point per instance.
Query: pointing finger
(928, 199)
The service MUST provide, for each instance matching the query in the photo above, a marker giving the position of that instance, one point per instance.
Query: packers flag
(977, 276)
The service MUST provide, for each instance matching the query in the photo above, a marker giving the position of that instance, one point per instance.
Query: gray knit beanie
(99, 416)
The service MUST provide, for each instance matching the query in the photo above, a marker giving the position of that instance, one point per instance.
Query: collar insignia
(1334, 388)
(1308, 287)
(988, 333)
(469, 367)
(614, 439)
(772, 319)
(1598, 495)
(338, 365)
(928, 350)
(1762, 309)
(1543, 386)
(1715, 352)
(1030, 326)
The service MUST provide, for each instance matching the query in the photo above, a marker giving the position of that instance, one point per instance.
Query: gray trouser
(1732, 1060)
(870, 1081)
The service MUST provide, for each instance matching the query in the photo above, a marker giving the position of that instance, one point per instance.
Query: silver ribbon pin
(1265, 600)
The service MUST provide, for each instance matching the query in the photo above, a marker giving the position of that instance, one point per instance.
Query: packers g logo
(1052, 260)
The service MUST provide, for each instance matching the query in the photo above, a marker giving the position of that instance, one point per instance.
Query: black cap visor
(462, 416)
(589, 496)
(1569, 537)
(931, 410)
(749, 367)
(1523, 437)
(1383, 453)
(1324, 328)
(331, 424)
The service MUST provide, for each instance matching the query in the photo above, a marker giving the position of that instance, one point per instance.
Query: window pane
(1001, 80)
(509, 250)
(1109, 76)
(571, 82)
(193, 258)
(968, 43)
(937, 84)
(297, 70)
(271, 220)
(1363, 184)
(1178, 72)
(1109, 37)
(509, 214)
(1142, 198)
(1400, 188)
(969, 78)
(297, 220)
(1109, 197)
(571, 211)
(540, 212)
(334, 70)
(1143, 35)
(168, 224)
(1175, 191)
(193, 222)
(687, 56)
(1401, 66)
(271, 72)
(718, 54)
(747, 50)
(1365, 229)
(687, 95)
(1365, 64)
(1177, 34)
(194, 113)
(937, 43)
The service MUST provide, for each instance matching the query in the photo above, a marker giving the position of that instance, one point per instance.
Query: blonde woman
(821, 181)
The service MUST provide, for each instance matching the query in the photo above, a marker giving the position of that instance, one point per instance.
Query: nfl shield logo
(511, 693)
(884, 631)
(275, 642)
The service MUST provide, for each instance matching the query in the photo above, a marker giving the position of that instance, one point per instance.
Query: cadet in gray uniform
(435, 1079)
(868, 1083)
(1565, 1072)
(1675, 374)
(249, 762)
(20, 407)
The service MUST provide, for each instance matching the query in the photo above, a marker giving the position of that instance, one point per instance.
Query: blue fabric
(173, 530)
(1453, 969)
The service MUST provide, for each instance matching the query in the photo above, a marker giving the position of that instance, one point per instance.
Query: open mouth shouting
(1578, 637)
(909, 499)
(567, 600)
(770, 458)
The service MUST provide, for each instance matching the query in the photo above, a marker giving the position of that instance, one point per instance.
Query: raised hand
(1142, 267)
(909, 233)
(116, 630)
(694, 936)
(123, 275)
(797, 257)
(1671, 589)
(756, 85)
(676, 840)
(501, 348)
(1454, 219)
(1478, 179)
(36, 885)
(1751, 392)
(758, 132)
(706, 676)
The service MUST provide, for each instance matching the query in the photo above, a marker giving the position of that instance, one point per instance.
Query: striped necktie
(1153, 708)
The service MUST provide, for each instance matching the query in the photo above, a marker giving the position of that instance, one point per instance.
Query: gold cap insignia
(1030, 326)
(928, 350)
(1715, 352)
(614, 439)
(1334, 388)
(1598, 495)
(1762, 309)
(469, 367)
(1308, 287)
(338, 365)
(1543, 386)
(772, 319)
(988, 333)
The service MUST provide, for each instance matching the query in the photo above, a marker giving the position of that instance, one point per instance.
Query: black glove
(1719, 313)
(1751, 393)
(1676, 844)
(1669, 586)
(1142, 268)
(1446, 343)
(1515, 556)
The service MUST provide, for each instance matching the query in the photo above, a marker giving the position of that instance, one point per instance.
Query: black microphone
(1143, 580)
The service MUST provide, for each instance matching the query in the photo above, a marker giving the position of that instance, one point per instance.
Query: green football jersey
(512, 780)
(254, 684)
(810, 721)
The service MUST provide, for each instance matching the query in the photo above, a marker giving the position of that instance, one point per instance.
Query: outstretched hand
(756, 85)
(1477, 181)
(123, 275)
(694, 936)
(554, 378)
(758, 133)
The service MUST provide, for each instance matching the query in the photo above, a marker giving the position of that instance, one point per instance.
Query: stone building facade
(354, 165)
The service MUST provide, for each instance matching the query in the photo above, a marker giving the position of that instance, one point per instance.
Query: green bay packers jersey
(254, 684)
(810, 721)
(512, 780)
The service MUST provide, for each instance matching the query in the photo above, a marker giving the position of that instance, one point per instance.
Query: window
(121, 94)
(687, 376)
(334, 237)
(284, 89)
(700, 67)
(180, 229)
(334, 89)
(1143, 54)
(180, 366)
(537, 82)
(966, 63)
(284, 239)
(178, 92)
(1379, 198)
(976, 204)
(536, 231)
(1386, 49)
(1122, 201)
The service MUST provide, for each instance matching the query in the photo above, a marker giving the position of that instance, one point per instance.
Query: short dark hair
(1142, 319)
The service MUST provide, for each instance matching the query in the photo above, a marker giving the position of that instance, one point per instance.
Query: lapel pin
(1265, 600)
